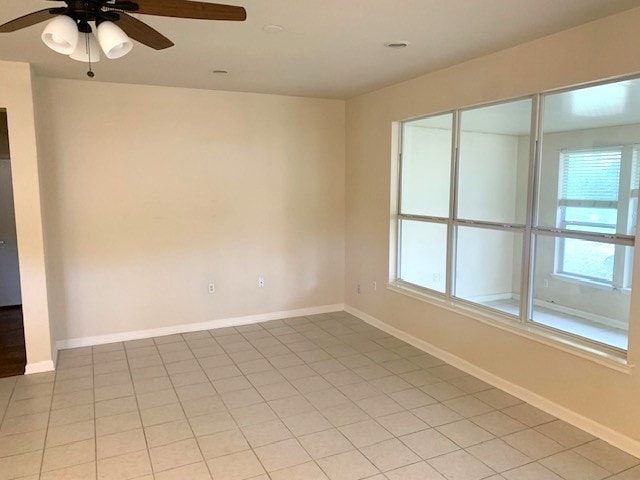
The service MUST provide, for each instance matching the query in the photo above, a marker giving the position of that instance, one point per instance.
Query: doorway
(13, 357)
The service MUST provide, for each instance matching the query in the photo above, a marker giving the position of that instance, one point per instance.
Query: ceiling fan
(69, 31)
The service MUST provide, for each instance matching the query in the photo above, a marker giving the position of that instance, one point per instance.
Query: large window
(526, 210)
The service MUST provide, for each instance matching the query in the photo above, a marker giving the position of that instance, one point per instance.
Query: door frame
(17, 98)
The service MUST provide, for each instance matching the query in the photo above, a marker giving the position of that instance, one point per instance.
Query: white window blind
(635, 172)
(590, 178)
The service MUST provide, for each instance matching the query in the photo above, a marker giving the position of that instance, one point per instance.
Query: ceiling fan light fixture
(61, 35)
(114, 42)
(84, 54)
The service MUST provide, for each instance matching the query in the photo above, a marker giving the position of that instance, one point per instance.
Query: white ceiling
(329, 48)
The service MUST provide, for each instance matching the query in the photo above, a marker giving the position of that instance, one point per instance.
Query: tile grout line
(288, 381)
(4, 413)
(316, 410)
(221, 399)
(95, 421)
(237, 365)
(499, 437)
(46, 434)
(333, 427)
(135, 397)
(239, 428)
(186, 417)
(281, 420)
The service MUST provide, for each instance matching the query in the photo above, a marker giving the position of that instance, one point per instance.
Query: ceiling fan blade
(125, 5)
(143, 33)
(189, 9)
(31, 19)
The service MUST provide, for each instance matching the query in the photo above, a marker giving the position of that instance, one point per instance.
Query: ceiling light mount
(397, 44)
(273, 28)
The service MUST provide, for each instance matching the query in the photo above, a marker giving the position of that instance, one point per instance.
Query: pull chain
(90, 73)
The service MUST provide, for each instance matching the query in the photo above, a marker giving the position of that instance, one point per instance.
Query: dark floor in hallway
(13, 357)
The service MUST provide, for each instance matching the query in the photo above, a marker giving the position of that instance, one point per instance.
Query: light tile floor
(313, 398)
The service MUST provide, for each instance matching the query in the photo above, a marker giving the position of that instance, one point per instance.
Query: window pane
(488, 268)
(598, 313)
(426, 166)
(589, 153)
(595, 216)
(423, 254)
(494, 162)
(591, 260)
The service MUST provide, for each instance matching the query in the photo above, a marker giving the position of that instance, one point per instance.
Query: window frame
(523, 324)
(400, 216)
(454, 221)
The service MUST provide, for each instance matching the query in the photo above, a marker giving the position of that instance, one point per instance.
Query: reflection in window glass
(599, 219)
(426, 166)
(589, 177)
(589, 260)
(590, 311)
(589, 157)
(488, 268)
(494, 162)
(423, 254)
(589, 189)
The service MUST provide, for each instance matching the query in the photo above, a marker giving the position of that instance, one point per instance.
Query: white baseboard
(39, 367)
(194, 327)
(607, 434)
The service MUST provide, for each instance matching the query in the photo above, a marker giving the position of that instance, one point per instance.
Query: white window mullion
(624, 192)
(452, 229)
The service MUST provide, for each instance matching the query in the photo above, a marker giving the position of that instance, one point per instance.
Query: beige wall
(16, 97)
(586, 53)
(153, 192)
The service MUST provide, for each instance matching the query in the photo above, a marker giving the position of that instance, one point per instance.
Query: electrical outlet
(546, 283)
(358, 289)
(212, 288)
(261, 281)
(375, 286)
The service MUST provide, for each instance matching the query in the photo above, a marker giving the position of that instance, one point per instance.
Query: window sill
(589, 283)
(610, 358)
